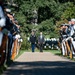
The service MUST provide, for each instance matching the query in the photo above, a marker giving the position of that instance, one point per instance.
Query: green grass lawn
(56, 52)
(20, 52)
(29, 50)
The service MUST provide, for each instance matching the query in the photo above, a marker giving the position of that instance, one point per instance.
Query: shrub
(25, 44)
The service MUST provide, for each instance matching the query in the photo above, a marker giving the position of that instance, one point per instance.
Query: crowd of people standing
(9, 33)
(67, 37)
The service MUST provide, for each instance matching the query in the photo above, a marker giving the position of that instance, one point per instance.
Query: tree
(49, 13)
(69, 12)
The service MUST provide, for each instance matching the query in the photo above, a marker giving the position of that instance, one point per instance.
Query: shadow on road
(41, 68)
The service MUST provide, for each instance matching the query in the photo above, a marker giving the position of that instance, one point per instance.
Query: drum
(3, 47)
(14, 49)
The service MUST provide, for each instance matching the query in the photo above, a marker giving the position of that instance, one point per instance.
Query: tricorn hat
(73, 19)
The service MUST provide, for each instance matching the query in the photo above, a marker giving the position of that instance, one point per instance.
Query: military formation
(67, 38)
(10, 39)
(51, 43)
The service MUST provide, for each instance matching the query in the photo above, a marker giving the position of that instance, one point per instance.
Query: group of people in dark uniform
(51, 43)
(67, 35)
(9, 28)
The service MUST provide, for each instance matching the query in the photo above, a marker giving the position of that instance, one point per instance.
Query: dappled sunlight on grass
(56, 52)
(29, 50)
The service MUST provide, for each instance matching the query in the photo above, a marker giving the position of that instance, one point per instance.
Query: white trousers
(64, 47)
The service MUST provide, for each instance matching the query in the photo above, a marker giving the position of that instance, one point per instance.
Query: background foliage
(51, 13)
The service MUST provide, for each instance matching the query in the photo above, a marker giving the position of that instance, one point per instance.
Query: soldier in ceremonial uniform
(64, 34)
(2, 19)
(72, 33)
(3, 37)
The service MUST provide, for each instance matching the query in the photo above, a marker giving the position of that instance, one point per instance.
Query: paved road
(41, 64)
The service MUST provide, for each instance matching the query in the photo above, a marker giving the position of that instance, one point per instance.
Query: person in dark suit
(33, 41)
(41, 41)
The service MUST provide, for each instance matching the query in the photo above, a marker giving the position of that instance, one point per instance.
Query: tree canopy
(50, 14)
